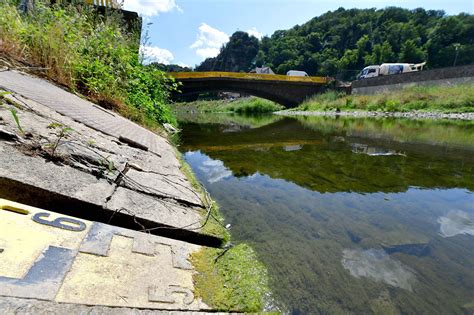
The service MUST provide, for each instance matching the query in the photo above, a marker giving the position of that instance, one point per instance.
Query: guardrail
(104, 3)
(99, 3)
(248, 76)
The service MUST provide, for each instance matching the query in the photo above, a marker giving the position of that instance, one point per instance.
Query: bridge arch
(287, 91)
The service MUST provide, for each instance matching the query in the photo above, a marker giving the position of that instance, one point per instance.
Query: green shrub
(90, 53)
(458, 98)
(254, 106)
(391, 105)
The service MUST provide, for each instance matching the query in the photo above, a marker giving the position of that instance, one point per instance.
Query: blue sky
(187, 31)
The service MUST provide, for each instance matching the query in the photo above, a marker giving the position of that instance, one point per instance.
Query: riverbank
(410, 115)
(245, 105)
(418, 99)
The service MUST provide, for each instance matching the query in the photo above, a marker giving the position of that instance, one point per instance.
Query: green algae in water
(349, 215)
(231, 280)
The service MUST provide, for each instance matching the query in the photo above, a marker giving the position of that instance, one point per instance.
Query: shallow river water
(349, 215)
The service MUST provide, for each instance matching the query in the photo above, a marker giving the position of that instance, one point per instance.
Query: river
(350, 215)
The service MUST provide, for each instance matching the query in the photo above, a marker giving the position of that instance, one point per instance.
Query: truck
(388, 69)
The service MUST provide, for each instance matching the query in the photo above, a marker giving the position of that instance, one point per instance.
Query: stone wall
(443, 76)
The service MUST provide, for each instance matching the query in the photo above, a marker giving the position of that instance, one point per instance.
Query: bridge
(288, 91)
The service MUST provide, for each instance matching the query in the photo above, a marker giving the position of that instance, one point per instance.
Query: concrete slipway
(95, 213)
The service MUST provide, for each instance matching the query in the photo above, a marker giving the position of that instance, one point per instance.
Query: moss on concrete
(231, 280)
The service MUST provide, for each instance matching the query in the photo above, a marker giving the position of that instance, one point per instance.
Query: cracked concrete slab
(82, 110)
(88, 165)
(162, 186)
(40, 173)
(27, 306)
(165, 211)
(99, 265)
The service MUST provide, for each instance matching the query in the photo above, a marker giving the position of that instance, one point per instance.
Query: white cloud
(209, 41)
(151, 7)
(182, 64)
(207, 52)
(155, 54)
(456, 222)
(379, 266)
(253, 31)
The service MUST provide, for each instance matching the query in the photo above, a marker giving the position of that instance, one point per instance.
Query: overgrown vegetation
(250, 105)
(341, 42)
(90, 53)
(231, 280)
(447, 99)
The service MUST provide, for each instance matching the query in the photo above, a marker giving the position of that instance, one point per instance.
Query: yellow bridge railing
(248, 76)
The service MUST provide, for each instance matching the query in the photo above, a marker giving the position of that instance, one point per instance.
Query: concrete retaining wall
(444, 76)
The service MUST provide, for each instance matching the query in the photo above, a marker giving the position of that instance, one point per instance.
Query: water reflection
(455, 223)
(379, 266)
(373, 151)
(343, 232)
(214, 170)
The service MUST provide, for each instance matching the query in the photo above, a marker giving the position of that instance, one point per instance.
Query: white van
(296, 73)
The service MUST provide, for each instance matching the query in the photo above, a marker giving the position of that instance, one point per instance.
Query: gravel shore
(411, 115)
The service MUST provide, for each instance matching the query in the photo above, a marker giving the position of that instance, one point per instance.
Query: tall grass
(254, 105)
(248, 105)
(449, 99)
(89, 53)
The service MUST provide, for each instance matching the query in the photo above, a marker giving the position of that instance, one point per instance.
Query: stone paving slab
(82, 110)
(24, 306)
(42, 174)
(94, 168)
(54, 263)
(52, 257)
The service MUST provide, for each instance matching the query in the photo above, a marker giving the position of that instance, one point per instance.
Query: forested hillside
(341, 42)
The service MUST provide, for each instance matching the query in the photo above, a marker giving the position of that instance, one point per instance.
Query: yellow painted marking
(23, 240)
(122, 278)
(248, 76)
(13, 209)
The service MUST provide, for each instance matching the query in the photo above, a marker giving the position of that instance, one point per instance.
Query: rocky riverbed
(411, 115)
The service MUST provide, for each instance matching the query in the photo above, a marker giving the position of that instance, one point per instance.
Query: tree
(411, 53)
(348, 40)
(237, 55)
(381, 53)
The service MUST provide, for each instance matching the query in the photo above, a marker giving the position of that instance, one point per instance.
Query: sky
(186, 32)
